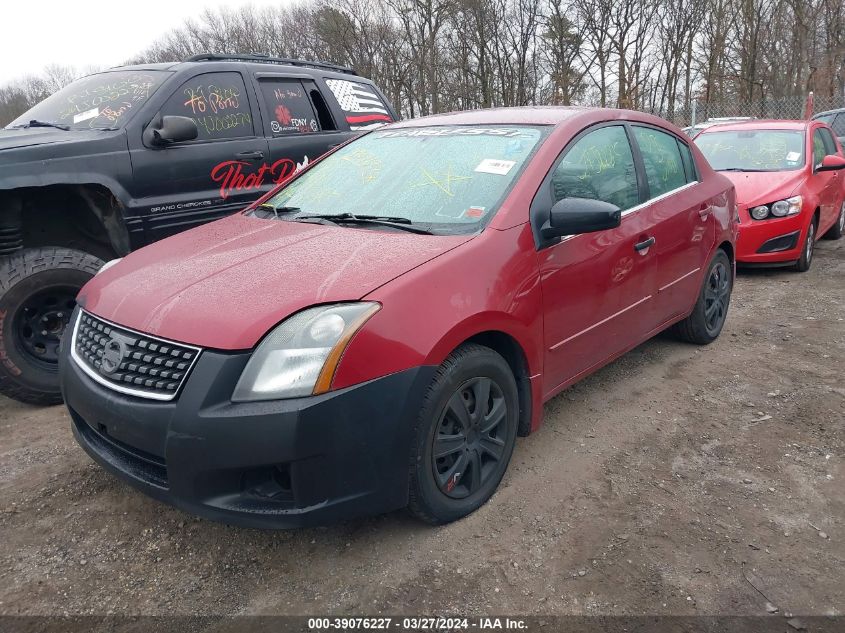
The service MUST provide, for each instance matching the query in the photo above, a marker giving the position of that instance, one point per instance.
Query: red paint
(234, 175)
(283, 115)
(368, 118)
(823, 194)
(570, 308)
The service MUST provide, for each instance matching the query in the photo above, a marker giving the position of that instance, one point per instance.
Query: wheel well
(729, 250)
(83, 217)
(513, 354)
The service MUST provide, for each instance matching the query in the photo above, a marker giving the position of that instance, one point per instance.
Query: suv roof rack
(266, 59)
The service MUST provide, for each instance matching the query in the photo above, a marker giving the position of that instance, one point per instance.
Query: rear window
(361, 105)
(288, 107)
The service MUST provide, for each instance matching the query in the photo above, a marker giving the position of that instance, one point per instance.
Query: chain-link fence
(785, 108)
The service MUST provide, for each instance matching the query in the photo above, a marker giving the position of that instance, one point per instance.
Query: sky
(86, 35)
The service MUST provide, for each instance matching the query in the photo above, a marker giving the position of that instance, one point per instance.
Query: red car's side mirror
(831, 162)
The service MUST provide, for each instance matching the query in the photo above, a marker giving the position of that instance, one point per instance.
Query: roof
(834, 111)
(758, 124)
(524, 115)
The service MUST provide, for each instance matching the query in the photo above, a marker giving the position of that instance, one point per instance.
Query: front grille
(131, 362)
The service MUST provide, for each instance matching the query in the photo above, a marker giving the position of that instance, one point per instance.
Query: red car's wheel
(805, 261)
(466, 435)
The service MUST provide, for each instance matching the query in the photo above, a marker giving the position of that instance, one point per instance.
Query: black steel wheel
(38, 287)
(466, 435)
(41, 321)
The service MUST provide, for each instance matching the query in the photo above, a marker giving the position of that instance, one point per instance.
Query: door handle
(254, 155)
(641, 246)
(705, 211)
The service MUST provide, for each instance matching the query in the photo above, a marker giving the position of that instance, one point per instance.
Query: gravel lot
(678, 480)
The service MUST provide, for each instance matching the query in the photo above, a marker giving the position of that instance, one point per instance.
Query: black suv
(122, 158)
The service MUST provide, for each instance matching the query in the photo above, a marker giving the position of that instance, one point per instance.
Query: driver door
(598, 288)
(189, 183)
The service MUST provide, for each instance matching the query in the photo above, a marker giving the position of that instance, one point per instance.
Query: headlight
(779, 209)
(790, 206)
(300, 356)
(108, 265)
(760, 213)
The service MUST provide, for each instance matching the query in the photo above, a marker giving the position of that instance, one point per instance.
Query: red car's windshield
(753, 150)
(447, 178)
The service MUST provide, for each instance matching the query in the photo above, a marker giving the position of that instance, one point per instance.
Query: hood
(763, 187)
(30, 137)
(225, 284)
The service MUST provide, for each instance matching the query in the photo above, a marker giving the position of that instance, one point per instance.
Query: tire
(705, 323)
(838, 228)
(38, 287)
(806, 260)
(473, 460)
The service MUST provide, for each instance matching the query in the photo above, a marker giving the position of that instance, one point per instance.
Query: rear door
(598, 288)
(685, 229)
(189, 183)
(297, 122)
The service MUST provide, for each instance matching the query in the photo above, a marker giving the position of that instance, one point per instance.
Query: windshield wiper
(740, 169)
(37, 123)
(276, 210)
(383, 220)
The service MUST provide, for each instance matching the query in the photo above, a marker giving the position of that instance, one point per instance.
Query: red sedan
(788, 186)
(375, 333)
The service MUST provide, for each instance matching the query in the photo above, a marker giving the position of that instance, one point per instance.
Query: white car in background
(694, 130)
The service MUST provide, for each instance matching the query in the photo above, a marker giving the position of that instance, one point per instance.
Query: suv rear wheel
(38, 288)
(466, 435)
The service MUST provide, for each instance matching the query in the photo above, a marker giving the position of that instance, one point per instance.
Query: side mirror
(572, 216)
(831, 162)
(164, 130)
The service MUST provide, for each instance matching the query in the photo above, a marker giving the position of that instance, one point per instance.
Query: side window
(217, 102)
(289, 110)
(688, 161)
(819, 150)
(664, 167)
(838, 124)
(600, 166)
(361, 105)
(829, 143)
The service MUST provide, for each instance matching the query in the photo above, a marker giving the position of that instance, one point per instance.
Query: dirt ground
(678, 480)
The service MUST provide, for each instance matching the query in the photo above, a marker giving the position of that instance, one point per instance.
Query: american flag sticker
(360, 103)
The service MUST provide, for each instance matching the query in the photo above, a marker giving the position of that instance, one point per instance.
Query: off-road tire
(469, 363)
(695, 328)
(23, 275)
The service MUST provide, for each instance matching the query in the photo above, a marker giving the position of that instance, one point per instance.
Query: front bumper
(285, 463)
(771, 241)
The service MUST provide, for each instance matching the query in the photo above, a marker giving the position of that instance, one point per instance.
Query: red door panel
(598, 298)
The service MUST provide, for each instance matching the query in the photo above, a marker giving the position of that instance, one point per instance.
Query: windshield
(104, 100)
(447, 178)
(753, 150)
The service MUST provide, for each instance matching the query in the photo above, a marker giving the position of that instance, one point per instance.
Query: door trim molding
(602, 322)
(681, 278)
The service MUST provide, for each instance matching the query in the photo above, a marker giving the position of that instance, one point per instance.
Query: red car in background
(789, 186)
(376, 332)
